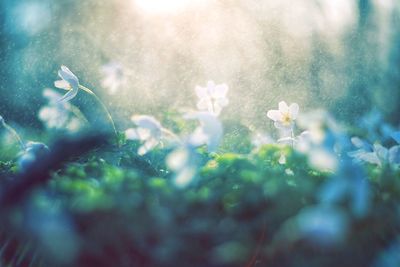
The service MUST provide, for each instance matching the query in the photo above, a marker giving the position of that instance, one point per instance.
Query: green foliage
(126, 210)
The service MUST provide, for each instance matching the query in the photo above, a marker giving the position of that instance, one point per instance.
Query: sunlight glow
(166, 6)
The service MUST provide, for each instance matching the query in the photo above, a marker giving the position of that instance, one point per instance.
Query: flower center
(286, 119)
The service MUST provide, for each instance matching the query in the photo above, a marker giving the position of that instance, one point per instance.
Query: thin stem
(78, 113)
(292, 135)
(213, 105)
(173, 135)
(13, 132)
(87, 90)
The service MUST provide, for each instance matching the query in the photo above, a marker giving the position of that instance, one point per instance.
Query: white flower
(212, 98)
(285, 116)
(114, 76)
(68, 82)
(148, 131)
(209, 131)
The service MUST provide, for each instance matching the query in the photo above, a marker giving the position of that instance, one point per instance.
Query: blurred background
(341, 55)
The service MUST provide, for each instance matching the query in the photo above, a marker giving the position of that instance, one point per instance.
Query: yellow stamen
(286, 119)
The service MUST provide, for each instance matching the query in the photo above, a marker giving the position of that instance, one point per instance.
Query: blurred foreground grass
(119, 209)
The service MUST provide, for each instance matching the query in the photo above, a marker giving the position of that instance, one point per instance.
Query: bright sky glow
(166, 6)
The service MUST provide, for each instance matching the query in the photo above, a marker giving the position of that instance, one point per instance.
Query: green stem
(14, 133)
(87, 90)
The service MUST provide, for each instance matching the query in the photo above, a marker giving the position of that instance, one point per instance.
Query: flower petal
(143, 133)
(131, 134)
(68, 76)
(185, 177)
(357, 142)
(204, 104)
(370, 157)
(144, 121)
(142, 150)
(147, 146)
(68, 72)
(201, 92)
(210, 87)
(220, 91)
(210, 128)
(274, 115)
(62, 84)
(177, 159)
(283, 107)
(69, 95)
(381, 151)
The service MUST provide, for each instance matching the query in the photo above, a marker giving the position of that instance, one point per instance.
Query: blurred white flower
(184, 159)
(285, 116)
(209, 131)
(375, 154)
(184, 162)
(319, 157)
(212, 98)
(304, 142)
(53, 117)
(113, 76)
(148, 131)
(322, 159)
(68, 82)
(318, 125)
(58, 115)
(320, 141)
